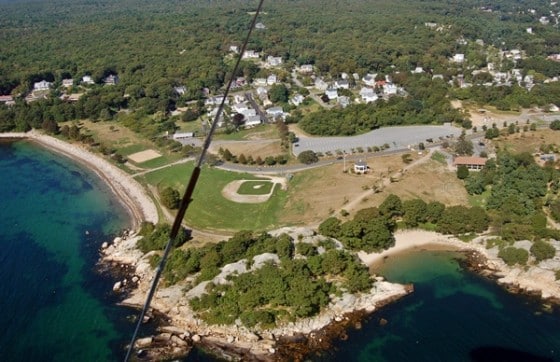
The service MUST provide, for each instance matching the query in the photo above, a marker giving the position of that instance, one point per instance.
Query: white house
(360, 167)
(272, 79)
(234, 49)
(297, 99)
(458, 58)
(180, 90)
(262, 93)
(182, 135)
(275, 112)
(252, 121)
(342, 83)
(369, 79)
(320, 84)
(274, 61)
(306, 68)
(87, 79)
(67, 83)
(390, 89)
(240, 107)
(111, 79)
(249, 112)
(260, 82)
(217, 100)
(42, 85)
(418, 70)
(250, 54)
(332, 93)
(368, 95)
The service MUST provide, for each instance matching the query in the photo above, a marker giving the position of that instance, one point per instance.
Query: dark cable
(187, 197)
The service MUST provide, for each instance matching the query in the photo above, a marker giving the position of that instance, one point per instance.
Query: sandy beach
(406, 240)
(128, 190)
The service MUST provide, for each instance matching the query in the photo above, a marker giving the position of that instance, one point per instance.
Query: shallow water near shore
(54, 215)
(453, 315)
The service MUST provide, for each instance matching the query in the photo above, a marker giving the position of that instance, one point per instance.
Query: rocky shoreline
(179, 331)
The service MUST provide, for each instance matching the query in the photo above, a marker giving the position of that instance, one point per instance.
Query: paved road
(395, 137)
(250, 99)
(312, 93)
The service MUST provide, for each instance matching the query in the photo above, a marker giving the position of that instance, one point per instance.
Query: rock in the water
(105, 245)
(196, 338)
(135, 279)
(383, 321)
(144, 342)
(178, 341)
(117, 286)
(163, 337)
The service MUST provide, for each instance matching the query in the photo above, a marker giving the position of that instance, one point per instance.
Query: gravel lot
(396, 137)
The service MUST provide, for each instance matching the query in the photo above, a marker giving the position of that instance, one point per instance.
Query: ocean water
(453, 315)
(54, 215)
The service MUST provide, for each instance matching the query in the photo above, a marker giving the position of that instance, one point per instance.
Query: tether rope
(187, 197)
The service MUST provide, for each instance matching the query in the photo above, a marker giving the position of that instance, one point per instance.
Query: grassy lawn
(194, 126)
(479, 200)
(263, 131)
(439, 157)
(209, 209)
(255, 188)
(160, 161)
(131, 149)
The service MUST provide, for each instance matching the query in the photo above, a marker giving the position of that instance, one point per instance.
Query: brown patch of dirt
(316, 194)
(430, 181)
(527, 141)
(111, 133)
(251, 148)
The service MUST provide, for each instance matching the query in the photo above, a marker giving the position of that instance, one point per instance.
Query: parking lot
(396, 137)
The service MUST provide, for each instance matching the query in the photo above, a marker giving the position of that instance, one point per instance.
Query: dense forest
(154, 46)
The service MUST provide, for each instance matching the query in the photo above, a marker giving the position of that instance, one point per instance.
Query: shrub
(542, 250)
(511, 255)
(170, 198)
(308, 157)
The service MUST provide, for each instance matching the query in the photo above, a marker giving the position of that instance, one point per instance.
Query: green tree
(555, 125)
(434, 210)
(512, 256)
(391, 206)
(278, 93)
(308, 157)
(170, 198)
(462, 172)
(330, 227)
(414, 212)
(542, 250)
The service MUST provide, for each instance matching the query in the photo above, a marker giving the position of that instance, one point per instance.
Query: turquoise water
(453, 315)
(53, 216)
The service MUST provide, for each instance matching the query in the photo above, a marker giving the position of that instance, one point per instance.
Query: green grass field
(480, 200)
(209, 209)
(255, 188)
(160, 161)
